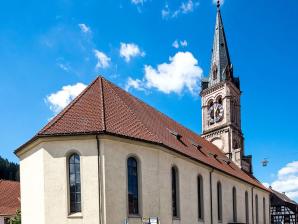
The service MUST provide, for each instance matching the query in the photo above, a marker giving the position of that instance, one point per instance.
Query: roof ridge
(103, 105)
(60, 114)
(146, 127)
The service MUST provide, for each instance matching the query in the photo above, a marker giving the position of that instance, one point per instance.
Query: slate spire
(221, 66)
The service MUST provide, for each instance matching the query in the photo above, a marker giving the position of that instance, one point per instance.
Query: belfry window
(175, 192)
(74, 183)
(219, 100)
(219, 202)
(200, 198)
(133, 186)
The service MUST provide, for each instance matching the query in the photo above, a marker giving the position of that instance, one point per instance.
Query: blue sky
(62, 45)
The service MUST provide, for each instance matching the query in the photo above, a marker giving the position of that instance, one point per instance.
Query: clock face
(215, 113)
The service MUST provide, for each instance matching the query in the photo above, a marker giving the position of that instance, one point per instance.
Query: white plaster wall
(32, 186)
(56, 181)
(44, 184)
(1, 220)
(156, 186)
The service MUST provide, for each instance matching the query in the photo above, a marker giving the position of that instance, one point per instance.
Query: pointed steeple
(221, 67)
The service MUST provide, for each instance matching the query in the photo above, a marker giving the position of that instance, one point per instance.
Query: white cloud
(181, 73)
(176, 44)
(165, 12)
(184, 8)
(187, 7)
(138, 2)
(84, 28)
(134, 83)
(103, 61)
(62, 64)
(59, 100)
(64, 67)
(287, 180)
(183, 43)
(130, 50)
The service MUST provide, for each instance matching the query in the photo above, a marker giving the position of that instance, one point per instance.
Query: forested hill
(9, 170)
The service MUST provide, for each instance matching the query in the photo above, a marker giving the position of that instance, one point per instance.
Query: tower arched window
(257, 209)
(74, 183)
(200, 198)
(246, 208)
(175, 192)
(210, 104)
(236, 112)
(133, 186)
(210, 112)
(233, 111)
(219, 202)
(219, 100)
(234, 193)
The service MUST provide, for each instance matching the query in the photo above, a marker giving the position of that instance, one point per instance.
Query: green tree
(9, 170)
(16, 219)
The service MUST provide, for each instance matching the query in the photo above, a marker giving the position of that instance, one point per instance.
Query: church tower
(221, 117)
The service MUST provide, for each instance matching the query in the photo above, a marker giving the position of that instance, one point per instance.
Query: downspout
(98, 178)
(252, 205)
(210, 189)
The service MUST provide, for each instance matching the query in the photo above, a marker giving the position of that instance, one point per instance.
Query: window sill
(77, 215)
(134, 217)
(176, 218)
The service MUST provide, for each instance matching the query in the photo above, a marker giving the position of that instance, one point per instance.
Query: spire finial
(218, 4)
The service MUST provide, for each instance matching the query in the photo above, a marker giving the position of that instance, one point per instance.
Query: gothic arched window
(219, 202)
(264, 211)
(200, 198)
(246, 208)
(133, 186)
(234, 205)
(175, 192)
(257, 209)
(74, 183)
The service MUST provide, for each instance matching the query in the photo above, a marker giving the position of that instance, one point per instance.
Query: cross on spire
(218, 4)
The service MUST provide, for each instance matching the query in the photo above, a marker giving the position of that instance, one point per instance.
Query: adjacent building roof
(9, 197)
(104, 108)
(283, 197)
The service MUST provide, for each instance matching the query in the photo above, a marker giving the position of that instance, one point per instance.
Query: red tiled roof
(103, 108)
(9, 197)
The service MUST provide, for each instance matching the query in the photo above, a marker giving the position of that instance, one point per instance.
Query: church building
(109, 158)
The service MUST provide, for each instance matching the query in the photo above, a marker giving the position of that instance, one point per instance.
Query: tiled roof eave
(161, 144)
